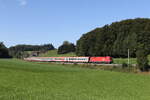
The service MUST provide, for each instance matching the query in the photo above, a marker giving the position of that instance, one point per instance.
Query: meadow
(53, 53)
(20, 80)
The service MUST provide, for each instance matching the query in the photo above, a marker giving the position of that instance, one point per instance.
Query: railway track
(94, 64)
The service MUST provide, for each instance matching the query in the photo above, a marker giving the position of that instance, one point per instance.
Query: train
(104, 60)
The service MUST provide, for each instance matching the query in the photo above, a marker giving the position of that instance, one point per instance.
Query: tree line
(20, 51)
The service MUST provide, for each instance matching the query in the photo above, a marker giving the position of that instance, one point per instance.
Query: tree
(3, 51)
(142, 60)
(66, 47)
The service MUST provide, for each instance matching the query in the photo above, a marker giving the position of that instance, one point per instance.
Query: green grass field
(21, 80)
(125, 60)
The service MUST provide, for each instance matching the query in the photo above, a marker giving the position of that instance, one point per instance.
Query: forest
(115, 39)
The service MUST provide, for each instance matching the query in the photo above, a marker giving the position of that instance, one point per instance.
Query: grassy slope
(125, 60)
(53, 53)
(21, 80)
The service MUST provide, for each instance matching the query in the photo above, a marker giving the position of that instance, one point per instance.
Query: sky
(54, 21)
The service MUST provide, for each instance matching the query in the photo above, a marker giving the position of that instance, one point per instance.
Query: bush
(124, 65)
(142, 60)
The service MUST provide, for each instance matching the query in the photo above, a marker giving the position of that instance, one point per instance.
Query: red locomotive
(106, 60)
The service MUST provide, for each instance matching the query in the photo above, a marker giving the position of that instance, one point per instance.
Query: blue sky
(54, 21)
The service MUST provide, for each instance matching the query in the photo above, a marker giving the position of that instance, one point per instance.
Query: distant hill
(22, 50)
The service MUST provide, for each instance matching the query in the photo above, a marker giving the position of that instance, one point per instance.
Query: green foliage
(124, 65)
(3, 51)
(113, 40)
(31, 81)
(66, 47)
(142, 60)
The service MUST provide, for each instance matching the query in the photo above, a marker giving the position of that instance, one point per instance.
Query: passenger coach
(106, 59)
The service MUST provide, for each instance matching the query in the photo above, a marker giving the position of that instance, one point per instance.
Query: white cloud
(3, 3)
(22, 2)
